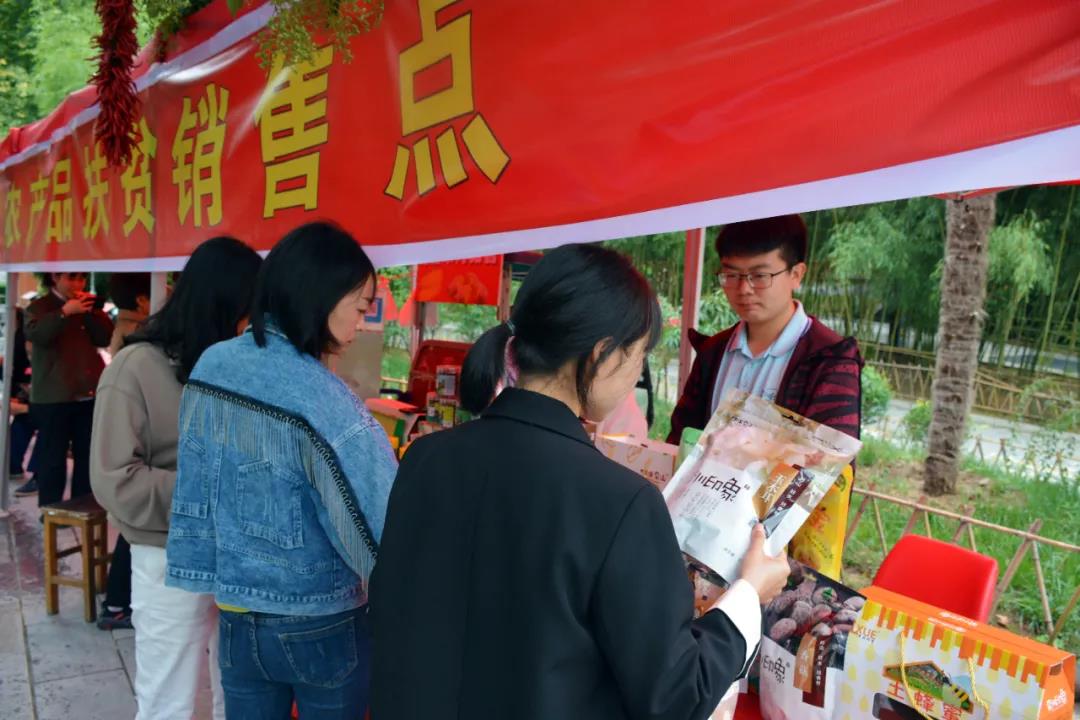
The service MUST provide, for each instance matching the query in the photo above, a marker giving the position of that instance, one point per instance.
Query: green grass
(989, 494)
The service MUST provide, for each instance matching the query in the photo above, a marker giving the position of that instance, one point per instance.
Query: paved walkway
(57, 667)
(1028, 446)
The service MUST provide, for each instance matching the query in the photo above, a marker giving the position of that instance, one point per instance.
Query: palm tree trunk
(963, 293)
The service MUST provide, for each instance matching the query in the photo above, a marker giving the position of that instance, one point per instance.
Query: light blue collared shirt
(759, 375)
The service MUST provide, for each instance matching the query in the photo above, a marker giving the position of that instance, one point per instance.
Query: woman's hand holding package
(768, 575)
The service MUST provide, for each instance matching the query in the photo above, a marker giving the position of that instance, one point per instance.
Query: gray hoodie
(133, 446)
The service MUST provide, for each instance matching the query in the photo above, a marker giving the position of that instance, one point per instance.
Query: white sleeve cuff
(743, 607)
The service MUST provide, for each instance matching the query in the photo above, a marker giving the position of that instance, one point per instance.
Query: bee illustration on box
(933, 692)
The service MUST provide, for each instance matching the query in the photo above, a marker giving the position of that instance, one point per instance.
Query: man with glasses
(776, 350)
(66, 327)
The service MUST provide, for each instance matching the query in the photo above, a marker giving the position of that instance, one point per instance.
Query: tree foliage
(17, 101)
(298, 25)
(46, 46)
(875, 271)
(63, 35)
(1019, 266)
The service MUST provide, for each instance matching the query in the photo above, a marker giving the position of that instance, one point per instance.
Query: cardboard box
(903, 654)
(654, 461)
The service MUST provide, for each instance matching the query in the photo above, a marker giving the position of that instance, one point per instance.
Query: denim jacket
(282, 482)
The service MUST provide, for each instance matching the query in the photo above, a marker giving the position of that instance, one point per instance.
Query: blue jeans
(321, 662)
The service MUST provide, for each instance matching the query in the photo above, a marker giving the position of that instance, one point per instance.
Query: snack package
(654, 461)
(804, 645)
(755, 462)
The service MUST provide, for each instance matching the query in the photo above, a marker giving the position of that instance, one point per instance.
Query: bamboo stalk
(1065, 615)
(963, 524)
(880, 527)
(959, 531)
(1042, 586)
(855, 521)
(914, 517)
(1076, 315)
(1057, 276)
(974, 521)
(1014, 565)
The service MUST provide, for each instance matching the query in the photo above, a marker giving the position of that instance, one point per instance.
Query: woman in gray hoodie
(133, 468)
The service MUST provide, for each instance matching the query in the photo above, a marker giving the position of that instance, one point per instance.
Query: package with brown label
(755, 462)
(804, 645)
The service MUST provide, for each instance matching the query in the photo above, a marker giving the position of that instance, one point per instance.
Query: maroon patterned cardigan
(821, 381)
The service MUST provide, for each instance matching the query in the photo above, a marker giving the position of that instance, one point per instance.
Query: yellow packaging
(819, 543)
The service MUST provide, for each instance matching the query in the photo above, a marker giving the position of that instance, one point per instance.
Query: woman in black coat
(524, 575)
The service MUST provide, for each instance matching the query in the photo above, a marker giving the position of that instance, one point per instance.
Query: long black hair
(575, 297)
(304, 278)
(207, 304)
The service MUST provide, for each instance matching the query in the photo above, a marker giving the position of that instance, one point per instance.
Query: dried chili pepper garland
(118, 101)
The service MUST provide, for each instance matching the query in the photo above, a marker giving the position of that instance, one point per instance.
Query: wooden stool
(83, 513)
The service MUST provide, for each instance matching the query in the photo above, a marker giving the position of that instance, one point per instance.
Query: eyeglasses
(756, 280)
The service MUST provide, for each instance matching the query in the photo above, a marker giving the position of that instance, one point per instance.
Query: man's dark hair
(303, 279)
(125, 289)
(786, 233)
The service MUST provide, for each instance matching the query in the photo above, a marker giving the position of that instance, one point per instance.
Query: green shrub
(876, 395)
(916, 424)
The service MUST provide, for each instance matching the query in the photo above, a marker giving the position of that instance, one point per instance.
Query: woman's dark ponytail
(484, 368)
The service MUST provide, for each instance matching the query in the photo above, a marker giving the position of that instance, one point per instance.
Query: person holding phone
(66, 329)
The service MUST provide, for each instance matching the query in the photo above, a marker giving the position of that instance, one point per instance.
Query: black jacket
(523, 575)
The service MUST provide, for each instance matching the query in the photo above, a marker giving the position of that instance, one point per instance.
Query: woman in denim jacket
(283, 480)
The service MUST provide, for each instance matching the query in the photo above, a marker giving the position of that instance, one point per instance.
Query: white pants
(173, 631)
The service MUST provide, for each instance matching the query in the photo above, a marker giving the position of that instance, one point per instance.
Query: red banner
(470, 127)
(476, 281)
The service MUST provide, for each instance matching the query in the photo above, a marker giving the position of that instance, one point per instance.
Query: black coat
(524, 575)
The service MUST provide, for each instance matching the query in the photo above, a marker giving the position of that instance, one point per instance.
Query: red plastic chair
(940, 574)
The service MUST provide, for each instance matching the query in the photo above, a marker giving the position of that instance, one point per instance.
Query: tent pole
(11, 294)
(693, 264)
(416, 334)
(158, 290)
(503, 311)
